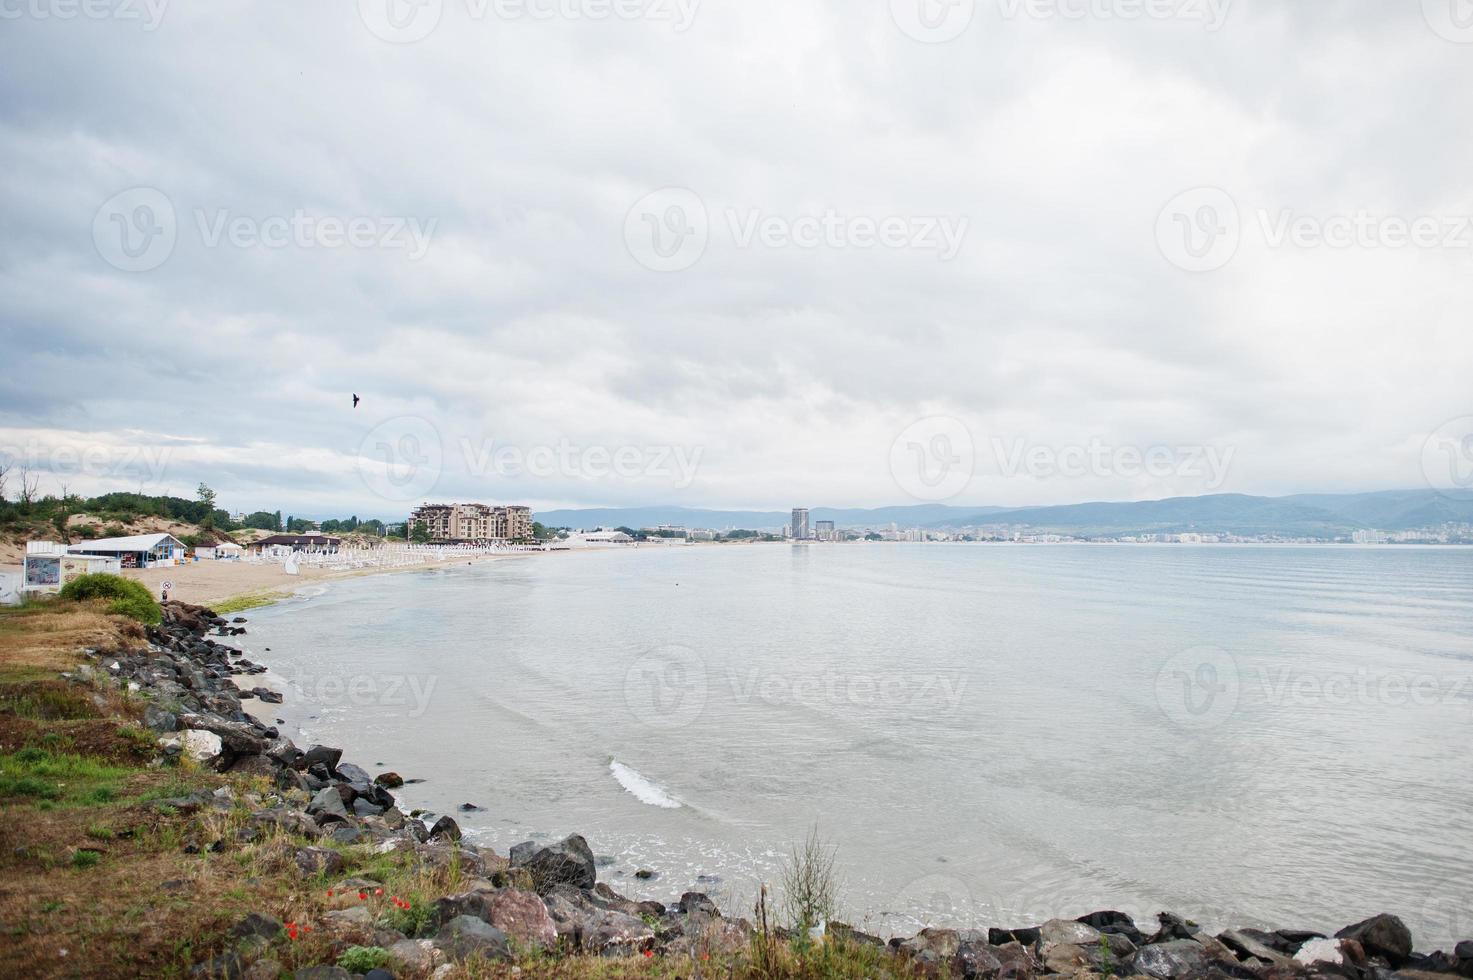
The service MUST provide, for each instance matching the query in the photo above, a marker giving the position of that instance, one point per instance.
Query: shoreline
(1178, 949)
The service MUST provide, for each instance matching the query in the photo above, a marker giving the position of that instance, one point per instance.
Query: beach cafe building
(138, 551)
(281, 545)
(48, 566)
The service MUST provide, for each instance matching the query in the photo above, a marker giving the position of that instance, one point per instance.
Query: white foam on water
(643, 789)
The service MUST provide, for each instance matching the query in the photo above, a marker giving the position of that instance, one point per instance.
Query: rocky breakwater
(315, 807)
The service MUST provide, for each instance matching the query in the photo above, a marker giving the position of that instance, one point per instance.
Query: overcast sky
(734, 253)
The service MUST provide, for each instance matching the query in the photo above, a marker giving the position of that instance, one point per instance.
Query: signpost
(164, 588)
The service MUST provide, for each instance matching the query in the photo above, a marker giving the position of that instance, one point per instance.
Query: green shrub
(361, 959)
(85, 859)
(129, 598)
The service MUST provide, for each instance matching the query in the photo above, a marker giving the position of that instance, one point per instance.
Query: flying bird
(356, 399)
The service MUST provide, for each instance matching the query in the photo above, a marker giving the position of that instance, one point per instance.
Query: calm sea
(990, 735)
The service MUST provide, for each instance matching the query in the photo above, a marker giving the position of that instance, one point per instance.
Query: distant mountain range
(1300, 515)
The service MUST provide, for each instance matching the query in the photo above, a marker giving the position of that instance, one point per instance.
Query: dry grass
(48, 636)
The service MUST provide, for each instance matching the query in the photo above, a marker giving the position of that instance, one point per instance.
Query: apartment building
(474, 522)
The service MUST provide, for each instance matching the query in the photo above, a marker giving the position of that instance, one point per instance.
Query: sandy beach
(207, 582)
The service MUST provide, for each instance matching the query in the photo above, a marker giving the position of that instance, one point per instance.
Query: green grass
(34, 775)
(241, 603)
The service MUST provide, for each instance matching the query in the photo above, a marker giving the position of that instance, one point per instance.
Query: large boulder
(318, 860)
(1067, 958)
(568, 862)
(324, 754)
(1059, 932)
(445, 829)
(327, 806)
(1382, 935)
(466, 937)
(614, 933)
(1017, 961)
(1174, 958)
(522, 916)
(975, 959)
(1112, 923)
(1001, 937)
(932, 947)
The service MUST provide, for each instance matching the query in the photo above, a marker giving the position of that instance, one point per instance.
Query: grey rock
(1057, 932)
(521, 915)
(1112, 923)
(1018, 961)
(521, 853)
(975, 959)
(158, 720)
(932, 946)
(323, 972)
(228, 966)
(327, 806)
(1066, 958)
(1174, 958)
(256, 924)
(569, 861)
(692, 902)
(466, 937)
(1382, 935)
(1247, 946)
(615, 932)
(324, 755)
(1001, 937)
(445, 828)
(318, 860)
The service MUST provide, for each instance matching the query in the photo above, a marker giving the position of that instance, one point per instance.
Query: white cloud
(521, 144)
